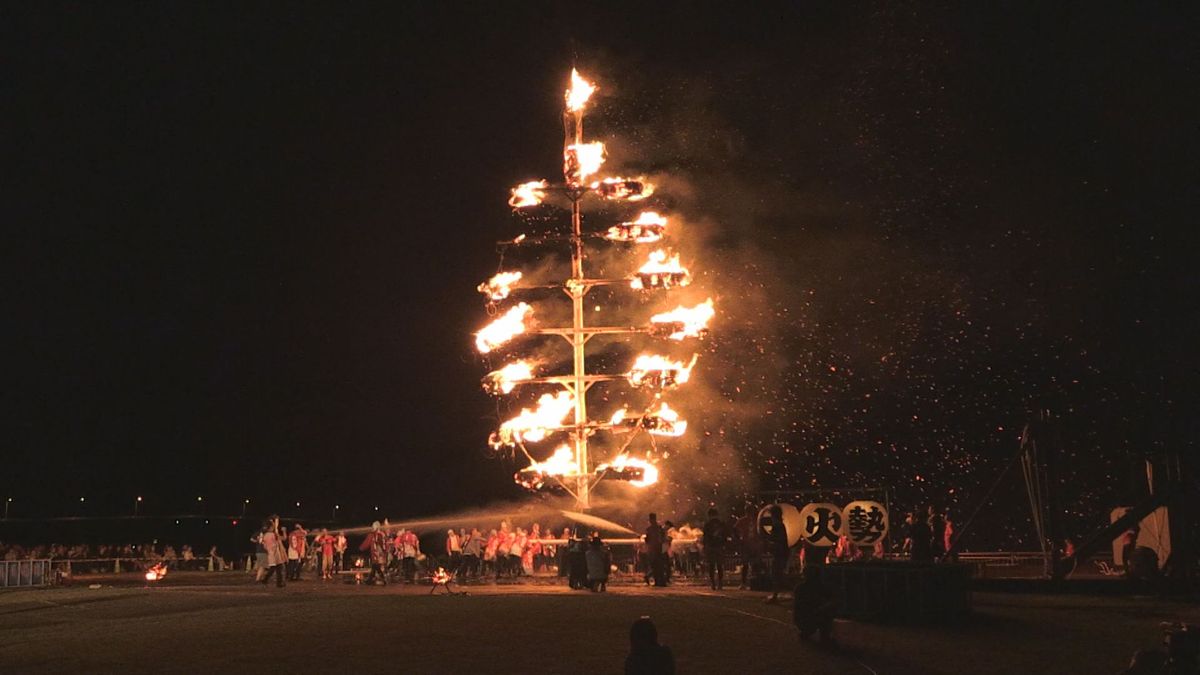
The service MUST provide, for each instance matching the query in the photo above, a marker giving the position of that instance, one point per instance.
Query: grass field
(226, 624)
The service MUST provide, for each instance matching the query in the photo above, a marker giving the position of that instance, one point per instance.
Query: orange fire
(582, 160)
(441, 576)
(661, 422)
(534, 425)
(579, 93)
(624, 464)
(647, 229)
(628, 189)
(661, 271)
(659, 372)
(504, 380)
(506, 327)
(561, 463)
(685, 322)
(157, 572)
(528, 194)
(498, 287)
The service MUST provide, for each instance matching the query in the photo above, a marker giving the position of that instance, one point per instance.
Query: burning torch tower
(570, 465)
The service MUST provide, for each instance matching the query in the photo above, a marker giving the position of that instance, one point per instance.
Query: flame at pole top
(508, 326)
(579, 93)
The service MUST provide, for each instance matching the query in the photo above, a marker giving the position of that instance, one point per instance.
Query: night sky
(243, 244)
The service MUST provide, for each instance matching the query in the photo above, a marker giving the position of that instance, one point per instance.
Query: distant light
(247, 501)
(199, 499)
(81, 499)
(177, 522)
(297, 504)
(336, 506)
(139, 499)
(206, 522)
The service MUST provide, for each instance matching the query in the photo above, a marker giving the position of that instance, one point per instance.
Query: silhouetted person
(920, 550)
(777, 546)
(937, 533)
(656, 538)
(646, 656)
(812, 607)
(577, 558)
(598, 563)
(749, 546)
(716, 533)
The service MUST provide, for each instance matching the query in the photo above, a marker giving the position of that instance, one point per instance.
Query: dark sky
(244, 242)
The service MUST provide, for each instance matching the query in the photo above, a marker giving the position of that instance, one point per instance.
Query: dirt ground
(224, 623)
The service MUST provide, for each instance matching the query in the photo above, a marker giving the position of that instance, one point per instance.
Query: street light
(335, 510)
(137, 502)
(6, 503)
(245, 503)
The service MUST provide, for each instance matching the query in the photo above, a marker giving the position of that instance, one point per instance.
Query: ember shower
(632, 428)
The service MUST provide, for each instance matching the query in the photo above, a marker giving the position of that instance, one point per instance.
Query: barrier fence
(24, 573)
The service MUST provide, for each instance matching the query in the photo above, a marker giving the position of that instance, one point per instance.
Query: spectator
(937, 533)
(813, 606)
(779, 548)
(655, 542)
(646, 655)
(919, 535)
(716, 533)
(598, 562)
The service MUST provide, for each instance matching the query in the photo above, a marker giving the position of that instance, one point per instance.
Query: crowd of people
(511, 553)
(101, 555)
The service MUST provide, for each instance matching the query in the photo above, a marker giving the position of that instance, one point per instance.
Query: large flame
(685, 322)
(534, 425)
(661, 271)
(628, 189)
(647, 229)
(504, 380)
(626, 464)
(579, 93)
(528, 194)
(498, 287)
(509, 325)
(655, 370)
(582, 160)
